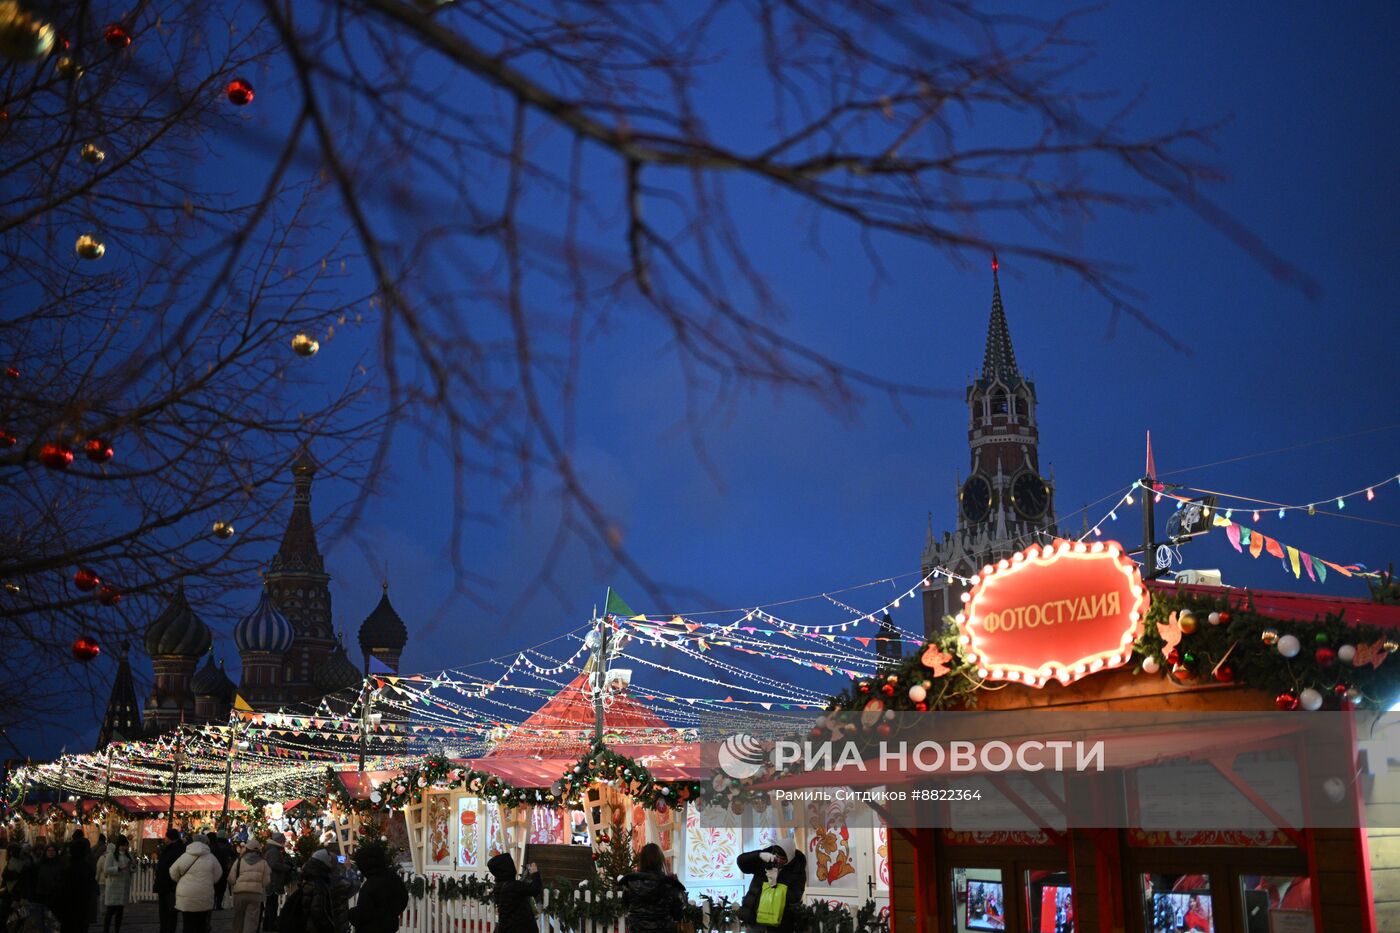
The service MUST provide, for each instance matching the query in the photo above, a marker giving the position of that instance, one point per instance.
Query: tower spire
(123, 719)
(999, 359)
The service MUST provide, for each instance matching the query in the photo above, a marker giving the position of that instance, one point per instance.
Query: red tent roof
(1301, 607)
(563, 727)
(157, 803)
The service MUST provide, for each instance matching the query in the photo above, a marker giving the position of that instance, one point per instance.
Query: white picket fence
(429, 914)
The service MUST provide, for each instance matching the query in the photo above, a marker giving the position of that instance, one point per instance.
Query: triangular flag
(1256, 544)
(1308, 566)
(1321, 567)
(1232, 531)
(1273, 547)
(239, 704)
(1293, 560)
(614, 605)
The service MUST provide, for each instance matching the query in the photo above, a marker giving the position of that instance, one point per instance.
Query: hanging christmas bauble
(1150, 664)
(1354, 696)
(89, 247)
(1346, 653)
(1322, 638)
(1335, 789)
(86, 579)
(863, 687)
(1173, 657)
(68, 68)
(816, 733)
(1269, 636)
(116, 37)
(1213, 618)
(24, 37)
(7, 440)
(91, 154)
(921, 707)
(56, 456)
(1289, 646)
(304, 345)
(1181, 673)
(98, 450)
(240, 92)
(1325, 656)
(1287, 700)
(1224, 617)
(85, 649)
(223, 530)
(1186, 622)
(108, 595)
(917, 694)
(1390, 646)
(1340, 689)
(1225, 674)
(887, 690)
(1310, 699)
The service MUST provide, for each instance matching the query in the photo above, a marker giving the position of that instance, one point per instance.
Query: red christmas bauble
(7, 440)
(887, 690)
(86, 580)
(1225, 674)
(240, 92)
(56, 456)
(1224, 618)
(921, 707)
(1173, 657)
(116, 37)
(816, 734)
(863, 688)
(1326, 656)
(1181, 673)
(85, 649)
(884, 730)
(98, 450)
(109, 595)
(10, 371)
(1340, 690)
(1286, 700)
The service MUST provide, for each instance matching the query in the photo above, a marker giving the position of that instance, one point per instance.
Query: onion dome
(264, 629)
(337, 672)
(211, 681)
(382, 629)
(177, 630)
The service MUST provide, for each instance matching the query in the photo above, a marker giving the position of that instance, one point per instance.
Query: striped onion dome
(211, 681)
(177, 631)
(337, 672)
(264, 629)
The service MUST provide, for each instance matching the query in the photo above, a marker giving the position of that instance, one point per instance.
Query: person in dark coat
(276, 855)
(780, 863)
(51, 881)
(80, 887)
(17, 882)
(164, 885)
(655, 899)
(383, 896)
(512, 896)
(224, 854)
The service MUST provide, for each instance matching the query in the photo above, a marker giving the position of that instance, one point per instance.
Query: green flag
(614, 606)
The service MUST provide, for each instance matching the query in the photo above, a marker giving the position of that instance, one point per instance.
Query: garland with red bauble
(1308, 665)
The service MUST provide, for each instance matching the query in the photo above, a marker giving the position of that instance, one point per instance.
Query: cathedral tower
(299, 586)
(1005, 503)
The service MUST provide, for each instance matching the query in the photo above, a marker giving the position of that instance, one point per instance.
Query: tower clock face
(976, 499)
(1030, 495)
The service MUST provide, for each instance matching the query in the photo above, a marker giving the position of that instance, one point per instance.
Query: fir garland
(602, 765)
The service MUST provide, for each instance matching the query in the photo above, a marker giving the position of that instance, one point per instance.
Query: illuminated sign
(1053, 612)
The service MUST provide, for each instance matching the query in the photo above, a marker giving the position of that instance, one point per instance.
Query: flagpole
(600, 672)
(228, 768)
(1149, 495)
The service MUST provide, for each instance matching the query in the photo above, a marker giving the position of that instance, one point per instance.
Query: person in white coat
(116, 870)
(248, 881)
(195, 873)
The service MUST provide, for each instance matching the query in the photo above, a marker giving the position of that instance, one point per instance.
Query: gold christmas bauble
(92, 155)
(89, 247)
(223, 530)
(68, 68)
(1187, 622)
(23, 36)
(304, 345)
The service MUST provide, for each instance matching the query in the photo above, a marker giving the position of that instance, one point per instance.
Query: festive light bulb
(1229, 513)
(1256, 515)
(1157, 498)
(1280, 513)
(1128, 499)
(1341, 503)
(1113, 515)
(1370, 494)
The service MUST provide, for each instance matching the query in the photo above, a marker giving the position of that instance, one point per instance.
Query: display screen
(1181, 912)
(1056, 909)
(986, 906)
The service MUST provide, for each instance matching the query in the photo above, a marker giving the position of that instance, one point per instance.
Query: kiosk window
(1178, 904)
(1049, 906)
(979, 899)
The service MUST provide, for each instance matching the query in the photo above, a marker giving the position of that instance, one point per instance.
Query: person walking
(383, 896)
(512, 896)
(779, 863)
(223, 852)
(195, 874)
(50, 884)
(324, 894)
(654, 898)
(79, 905)
(281, 868)
(117, 868)
(164, 884)
(248, 881)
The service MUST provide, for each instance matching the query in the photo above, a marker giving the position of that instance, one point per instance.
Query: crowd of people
(267, 888)
(271, 889)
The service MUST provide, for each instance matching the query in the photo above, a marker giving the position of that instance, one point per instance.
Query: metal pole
(1149, 547)
(364, 724)
(600, 668)
(107, 786)
(228, 772)
(174, 780)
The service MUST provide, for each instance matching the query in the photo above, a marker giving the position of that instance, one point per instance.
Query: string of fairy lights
(392, 721)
